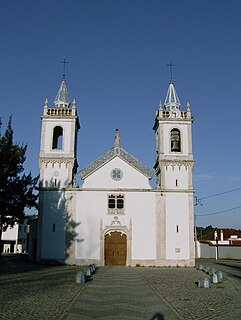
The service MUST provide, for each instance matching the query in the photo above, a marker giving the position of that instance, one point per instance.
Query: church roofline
(122, 154)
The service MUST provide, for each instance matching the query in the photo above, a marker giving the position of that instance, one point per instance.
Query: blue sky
(118, 53)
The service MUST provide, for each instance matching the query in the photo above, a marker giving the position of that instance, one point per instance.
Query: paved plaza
(29, 291)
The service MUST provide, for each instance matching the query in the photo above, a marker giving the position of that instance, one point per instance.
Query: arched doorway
(115, 248)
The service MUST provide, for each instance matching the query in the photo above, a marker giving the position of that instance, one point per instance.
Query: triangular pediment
(122, 154)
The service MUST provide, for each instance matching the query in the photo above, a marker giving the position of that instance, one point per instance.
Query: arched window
(175, 140)
(57, 138)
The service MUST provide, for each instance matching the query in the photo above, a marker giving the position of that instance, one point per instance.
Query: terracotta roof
(226, 234)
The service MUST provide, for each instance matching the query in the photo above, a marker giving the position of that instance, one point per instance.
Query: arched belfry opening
(175, 140)
(57, 138)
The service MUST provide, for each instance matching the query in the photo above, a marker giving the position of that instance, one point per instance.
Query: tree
(16, 188)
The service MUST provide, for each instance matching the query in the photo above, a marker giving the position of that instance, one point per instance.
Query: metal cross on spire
(64, 62)
(171, 65)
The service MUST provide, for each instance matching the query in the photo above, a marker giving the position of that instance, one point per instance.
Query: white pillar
(216, 248)
(221, 238)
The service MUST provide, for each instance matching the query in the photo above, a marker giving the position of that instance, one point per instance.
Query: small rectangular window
(120, 203)
(176, 183)
(53, 227)
(111, 203)
(116, 202)
(177, 228)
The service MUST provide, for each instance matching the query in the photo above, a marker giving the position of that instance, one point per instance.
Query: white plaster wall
(53, 242)
(142, 210)
(179, 173)
(92, 207)
(56, 171)
(177, 208)
(131, 177)
(224, 252)
(10, 233)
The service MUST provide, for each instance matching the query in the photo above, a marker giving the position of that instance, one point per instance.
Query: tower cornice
(56, 160)
(186, 163)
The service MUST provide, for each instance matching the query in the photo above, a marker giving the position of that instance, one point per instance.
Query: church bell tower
(57, 157)
(174, 166)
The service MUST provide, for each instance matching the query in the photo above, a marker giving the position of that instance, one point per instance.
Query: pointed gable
(116, 151)
(111, 154)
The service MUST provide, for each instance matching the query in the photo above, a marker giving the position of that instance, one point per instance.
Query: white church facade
(116, 217)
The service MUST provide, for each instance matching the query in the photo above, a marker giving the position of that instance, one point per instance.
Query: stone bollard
(201, 267)
(93, 266)
(207, 269)
(215, 278)
(220, 274)
(80, 277)
(204, 283)
(87, 271)
(212, 271)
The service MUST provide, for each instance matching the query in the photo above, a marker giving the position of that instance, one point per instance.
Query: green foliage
(204, 231)
(16, 188)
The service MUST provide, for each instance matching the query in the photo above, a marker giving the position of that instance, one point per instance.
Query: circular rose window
(116, 174)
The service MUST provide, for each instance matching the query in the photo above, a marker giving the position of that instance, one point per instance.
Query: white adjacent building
(115, 217)
(15, 239)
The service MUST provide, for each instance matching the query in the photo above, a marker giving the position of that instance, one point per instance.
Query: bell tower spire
(172, 101)
(62, 99)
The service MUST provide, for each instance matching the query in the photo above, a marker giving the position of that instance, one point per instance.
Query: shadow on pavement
(16, 263)
(158, 316)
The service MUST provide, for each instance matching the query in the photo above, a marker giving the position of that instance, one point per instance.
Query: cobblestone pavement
(112, 295)
(177, 286)
(38, 292)
(232, 268)
(29, 291)
(119, 293)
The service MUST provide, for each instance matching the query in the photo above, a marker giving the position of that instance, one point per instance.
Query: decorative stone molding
(110, 154)
(59, 112)
(58, 161)
(136, 163)
(114, 226)
(115, 211)
(168, 114)
(173, 164)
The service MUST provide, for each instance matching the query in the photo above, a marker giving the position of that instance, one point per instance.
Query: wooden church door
(115, 249)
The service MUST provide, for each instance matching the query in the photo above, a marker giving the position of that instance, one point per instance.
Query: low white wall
(224, 252)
